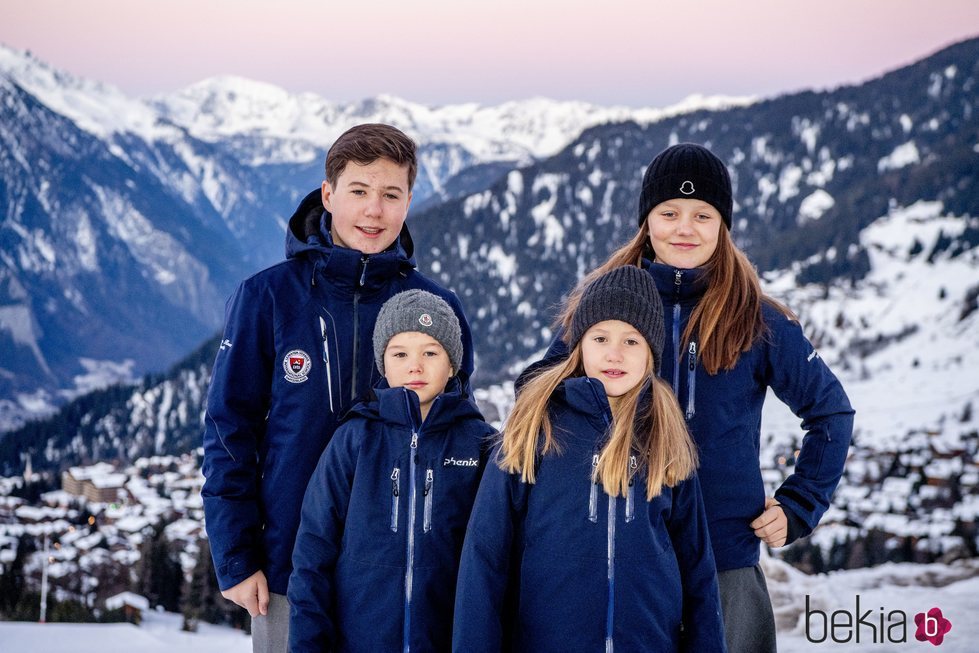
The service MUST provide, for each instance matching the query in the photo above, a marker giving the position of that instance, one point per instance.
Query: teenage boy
(296, 354)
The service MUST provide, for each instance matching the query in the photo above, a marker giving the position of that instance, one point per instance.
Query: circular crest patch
(296, 365)
(687, 188)
(425, 320)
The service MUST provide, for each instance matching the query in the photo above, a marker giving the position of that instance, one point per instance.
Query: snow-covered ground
(159, 633)
(907, 588)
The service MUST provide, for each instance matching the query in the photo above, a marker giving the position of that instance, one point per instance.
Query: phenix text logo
(460, 462)
(873, 627)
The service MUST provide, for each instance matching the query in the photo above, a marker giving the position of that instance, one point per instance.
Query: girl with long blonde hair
(727, 344)
(589, 533)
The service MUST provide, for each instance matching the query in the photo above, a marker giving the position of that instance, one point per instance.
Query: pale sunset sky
(608, 52)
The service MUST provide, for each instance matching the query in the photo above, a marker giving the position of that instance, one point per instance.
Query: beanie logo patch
(425, 320)
(687, 188)
(297, 364)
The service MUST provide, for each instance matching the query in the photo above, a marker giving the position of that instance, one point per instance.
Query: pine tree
(192, 603)
(12, 582)
(159, 576)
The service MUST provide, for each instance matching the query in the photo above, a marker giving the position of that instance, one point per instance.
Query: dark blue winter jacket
(560, 566)
(383, 523)
(723, 413)
(296, 353)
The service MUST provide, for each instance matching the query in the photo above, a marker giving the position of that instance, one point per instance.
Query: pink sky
(638, 53)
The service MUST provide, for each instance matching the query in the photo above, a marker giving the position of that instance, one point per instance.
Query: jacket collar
(692, 282)
(586, 397)
(399, 406)
(308, 236)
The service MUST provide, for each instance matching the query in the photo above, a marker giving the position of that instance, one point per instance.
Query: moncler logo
(425, 320)
(296, 365)
(687, 188)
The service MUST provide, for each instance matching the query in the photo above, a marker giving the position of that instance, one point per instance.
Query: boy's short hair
(364, 144)
(421, 311)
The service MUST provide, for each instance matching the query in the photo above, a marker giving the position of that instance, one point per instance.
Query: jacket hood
(586, 397)
(309, 231)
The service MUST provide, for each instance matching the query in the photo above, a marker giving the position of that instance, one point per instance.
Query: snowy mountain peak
(97, 108)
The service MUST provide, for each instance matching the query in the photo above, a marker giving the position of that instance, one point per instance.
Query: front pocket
(395, 493)
(593, 493)
(429, 483)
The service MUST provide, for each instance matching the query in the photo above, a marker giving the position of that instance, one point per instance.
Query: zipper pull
(429, 477)
(414, 440)
(363, 272)
(593, 492)
(692, 357)
(632, 469)
(394, 482)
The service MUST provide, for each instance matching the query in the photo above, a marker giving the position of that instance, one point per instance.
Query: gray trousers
(270, 633)
(749, 623)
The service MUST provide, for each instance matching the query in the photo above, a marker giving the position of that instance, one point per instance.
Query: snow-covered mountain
(811, 172)
(128, 221)
(126, 227)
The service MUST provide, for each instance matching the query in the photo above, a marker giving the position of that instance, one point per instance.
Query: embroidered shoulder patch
(297, 364)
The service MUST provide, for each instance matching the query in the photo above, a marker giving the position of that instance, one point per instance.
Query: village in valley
(107, 543)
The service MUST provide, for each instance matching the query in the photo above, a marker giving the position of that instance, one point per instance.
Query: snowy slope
(903, 337)
(159, 633)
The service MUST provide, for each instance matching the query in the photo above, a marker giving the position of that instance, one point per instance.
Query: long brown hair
(658, 438)
(727, 321)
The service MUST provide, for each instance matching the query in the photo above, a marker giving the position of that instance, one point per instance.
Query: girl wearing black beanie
(589, 532)
(727, 343)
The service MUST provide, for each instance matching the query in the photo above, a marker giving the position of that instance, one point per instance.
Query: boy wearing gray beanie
(411, 329)
(386, 510)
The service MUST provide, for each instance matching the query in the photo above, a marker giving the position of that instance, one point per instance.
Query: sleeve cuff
(797, 527)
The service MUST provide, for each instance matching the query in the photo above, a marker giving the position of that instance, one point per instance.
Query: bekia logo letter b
(932, 626)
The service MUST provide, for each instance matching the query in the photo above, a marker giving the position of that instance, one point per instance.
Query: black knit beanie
(417, 310)
(628, 294)
(687, 171)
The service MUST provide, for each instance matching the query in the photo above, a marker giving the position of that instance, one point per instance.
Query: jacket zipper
(609, 615)
(691, 378)
(395, 493)
(326, 361)
(630, 499)
(676, 332)
(412, 500)
(429, 481)
(610, 607)
(411, 543)
(356, 330)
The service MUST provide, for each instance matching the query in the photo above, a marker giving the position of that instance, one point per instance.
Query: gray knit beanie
(628, 294)
(687, 171)
(417, 310)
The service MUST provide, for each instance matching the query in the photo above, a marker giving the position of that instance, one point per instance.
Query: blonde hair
(656, 436)
(727, 321)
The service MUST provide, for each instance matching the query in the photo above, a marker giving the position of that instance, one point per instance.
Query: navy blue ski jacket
(383, 521)
(560, 566)
(723, 414)
(295, 355)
